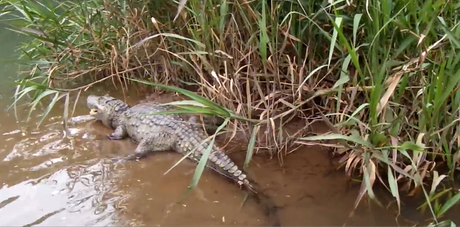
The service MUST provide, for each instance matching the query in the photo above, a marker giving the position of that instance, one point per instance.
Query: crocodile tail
(253, 189)
(227, 167)
(222, 164)
(271, 210)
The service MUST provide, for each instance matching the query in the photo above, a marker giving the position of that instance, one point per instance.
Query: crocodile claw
(131, 157)
(111, 137)
(117, 161)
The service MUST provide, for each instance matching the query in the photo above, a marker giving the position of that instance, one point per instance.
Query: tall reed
(383, 74)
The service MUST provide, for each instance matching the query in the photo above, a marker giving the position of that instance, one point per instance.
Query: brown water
(51, 180)
(48, 179)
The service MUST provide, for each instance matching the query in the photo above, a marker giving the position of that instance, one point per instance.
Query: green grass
(383, 74)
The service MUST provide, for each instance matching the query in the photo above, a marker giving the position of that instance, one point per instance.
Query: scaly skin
(160, 132)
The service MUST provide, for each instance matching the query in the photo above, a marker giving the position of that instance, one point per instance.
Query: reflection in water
(48, 184)
(57, 196)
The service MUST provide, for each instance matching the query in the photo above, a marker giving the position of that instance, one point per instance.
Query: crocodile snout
(92, 101)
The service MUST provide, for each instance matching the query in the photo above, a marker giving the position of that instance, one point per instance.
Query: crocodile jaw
(95, 104)
(106, 109)
(93, 112)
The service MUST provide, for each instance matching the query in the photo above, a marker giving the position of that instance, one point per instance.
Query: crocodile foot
(124, 159)
(131, 157)
(117, 161)
(110, 137)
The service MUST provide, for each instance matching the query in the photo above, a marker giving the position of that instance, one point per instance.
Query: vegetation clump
(383, 74)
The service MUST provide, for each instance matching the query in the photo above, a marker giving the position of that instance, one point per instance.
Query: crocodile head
(106, 109)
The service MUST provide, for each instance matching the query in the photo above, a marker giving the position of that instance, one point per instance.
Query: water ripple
(51, 200)
(54, 174)
(47, 141)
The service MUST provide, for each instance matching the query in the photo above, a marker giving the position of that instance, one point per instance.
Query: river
(50, 179)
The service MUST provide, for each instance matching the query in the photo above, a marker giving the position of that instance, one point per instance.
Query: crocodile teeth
(93, 112)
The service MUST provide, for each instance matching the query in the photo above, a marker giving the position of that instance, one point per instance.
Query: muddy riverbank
(51, 180)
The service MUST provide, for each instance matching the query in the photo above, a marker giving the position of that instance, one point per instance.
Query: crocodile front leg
(119, 133)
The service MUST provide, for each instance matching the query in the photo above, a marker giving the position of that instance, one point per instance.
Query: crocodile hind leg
(155, 142)
(119, 133)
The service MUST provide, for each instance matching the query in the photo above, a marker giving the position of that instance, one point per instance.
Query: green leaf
(411, 146)
(251, 144)
(206, 102)
(204, 158)
(338, 23)
(394, 187)
(333, 136)
(449, 204)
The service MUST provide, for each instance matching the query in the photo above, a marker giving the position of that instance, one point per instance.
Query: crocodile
(162, 132)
